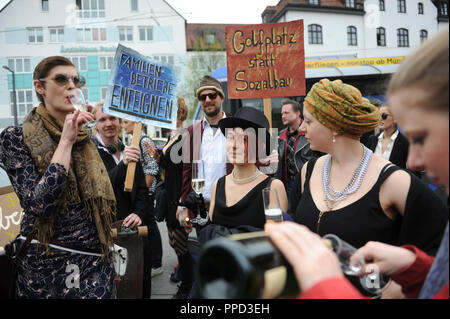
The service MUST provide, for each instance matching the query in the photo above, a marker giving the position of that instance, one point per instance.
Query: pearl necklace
(247, 179)
(334, 197)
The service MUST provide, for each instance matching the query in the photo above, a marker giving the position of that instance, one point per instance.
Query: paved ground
(162, 287)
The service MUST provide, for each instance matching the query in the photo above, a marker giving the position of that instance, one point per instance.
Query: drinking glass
(79, 102)
(198, 185)
(373, 282)
(273, 166)
(272, 207)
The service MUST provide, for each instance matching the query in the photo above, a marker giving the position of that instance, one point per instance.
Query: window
(80, 62)
(420, 8)
(24, 100)
(44, 5)
(106, 62)
(134, 5)
(315, 34)
(381, 37)
(168, 59)
(352, 36)
(444, 9)
(20, 65)
(103, 92)
(382, 6)
(401, 6)
(90, 8)
(126, 33)
(91, 34)
(402, 37)
(209, 37)
(56, 34)
(349, 3)
(35, 35)
(314, 2)
(146, 33)
(423, 35)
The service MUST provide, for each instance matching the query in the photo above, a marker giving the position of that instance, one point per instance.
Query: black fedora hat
(247, 117)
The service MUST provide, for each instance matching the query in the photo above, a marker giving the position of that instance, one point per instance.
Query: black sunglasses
(384, 116)
(62, 80)
(211, 96)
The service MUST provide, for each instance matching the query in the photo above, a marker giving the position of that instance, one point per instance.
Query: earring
(334, 139)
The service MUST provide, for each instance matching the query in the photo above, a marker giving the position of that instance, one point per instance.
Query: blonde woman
(418, 97)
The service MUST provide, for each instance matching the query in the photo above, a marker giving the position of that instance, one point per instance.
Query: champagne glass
(79, 102)
(198, 185)
(273, 147)
(272, 207)
(373, 282)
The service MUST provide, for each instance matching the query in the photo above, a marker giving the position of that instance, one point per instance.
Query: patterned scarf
(437, 278)
(88, 181)
(341, 108)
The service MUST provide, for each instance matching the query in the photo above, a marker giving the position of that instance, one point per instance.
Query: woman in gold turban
(351, 192)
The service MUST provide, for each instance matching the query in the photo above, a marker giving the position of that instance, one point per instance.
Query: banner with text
(142, 90)
(266, 60)
(10, 215)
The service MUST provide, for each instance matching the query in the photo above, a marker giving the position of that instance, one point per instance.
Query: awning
(366, 69)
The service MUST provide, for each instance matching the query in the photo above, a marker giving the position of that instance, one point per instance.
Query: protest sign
(10, 215)
(266, 60)
(142, 90)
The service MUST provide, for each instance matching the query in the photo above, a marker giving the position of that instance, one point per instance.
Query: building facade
(361, 42)
(87, 32)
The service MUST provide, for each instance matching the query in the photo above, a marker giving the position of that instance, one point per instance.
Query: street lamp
(16, 123)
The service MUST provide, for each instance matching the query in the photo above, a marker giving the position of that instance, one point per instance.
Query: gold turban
(341, 108)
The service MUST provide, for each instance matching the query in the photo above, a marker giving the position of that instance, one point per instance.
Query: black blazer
(138, 200)
(399, 153)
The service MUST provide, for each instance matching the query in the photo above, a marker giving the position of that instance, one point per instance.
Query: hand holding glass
(78, 101)
(198, 185)
(373, 282)
(272, 207)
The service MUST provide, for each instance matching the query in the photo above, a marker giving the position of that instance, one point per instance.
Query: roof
(273, 13)
(197, 33)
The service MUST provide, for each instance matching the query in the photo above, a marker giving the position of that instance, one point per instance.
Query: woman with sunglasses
(64, 190)
(390, 144)
(418, 97)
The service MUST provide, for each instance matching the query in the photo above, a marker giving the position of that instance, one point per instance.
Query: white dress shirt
(387, 153)
(213, 154)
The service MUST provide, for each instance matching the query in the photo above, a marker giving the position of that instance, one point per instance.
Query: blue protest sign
(142, 90)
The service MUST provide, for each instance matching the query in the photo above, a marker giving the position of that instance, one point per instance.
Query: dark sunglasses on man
(384, 116)
(211, 96)
(61, 79)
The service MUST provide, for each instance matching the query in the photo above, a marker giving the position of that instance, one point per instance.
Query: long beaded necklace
(334, 197)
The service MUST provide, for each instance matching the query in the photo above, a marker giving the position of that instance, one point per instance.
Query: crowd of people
(346, 165)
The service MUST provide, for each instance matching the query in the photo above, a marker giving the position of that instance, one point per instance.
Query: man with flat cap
(206, 142)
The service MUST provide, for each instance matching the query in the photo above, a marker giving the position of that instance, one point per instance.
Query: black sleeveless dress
(248, 211)
(357, 223)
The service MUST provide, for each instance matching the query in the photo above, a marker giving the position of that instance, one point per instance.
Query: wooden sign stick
(268, 110)
(129, 180)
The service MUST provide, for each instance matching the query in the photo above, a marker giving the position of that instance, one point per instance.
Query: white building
(342, 35)
(87, 32)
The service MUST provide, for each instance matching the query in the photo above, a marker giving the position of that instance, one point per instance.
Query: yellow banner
(353, 62)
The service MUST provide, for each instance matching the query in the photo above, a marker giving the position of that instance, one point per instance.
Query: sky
(217, 11)
(222, 11)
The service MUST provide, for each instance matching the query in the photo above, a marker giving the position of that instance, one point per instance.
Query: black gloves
(194, 203)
